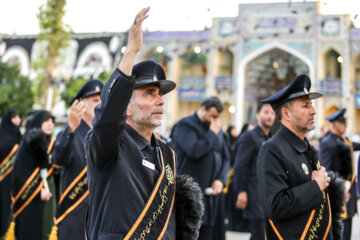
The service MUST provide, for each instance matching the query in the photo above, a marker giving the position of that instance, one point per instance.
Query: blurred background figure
(324, 131)
(69, 153)
(234, 216)
(199, 143)
(32, 181)
(245, 170)
(337, 154)
(231, 136)
(10, 138)
(246, 127)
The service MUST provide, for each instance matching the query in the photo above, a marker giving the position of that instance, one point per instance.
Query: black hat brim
(85, 96)
(311, 95)
(91, 93)
(165, 86)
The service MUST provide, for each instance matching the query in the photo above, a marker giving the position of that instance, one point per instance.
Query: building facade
(240, 59)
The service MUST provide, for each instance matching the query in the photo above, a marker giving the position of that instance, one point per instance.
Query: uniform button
(287, 172)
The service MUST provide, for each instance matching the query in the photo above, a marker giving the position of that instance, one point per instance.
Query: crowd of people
(110, 175)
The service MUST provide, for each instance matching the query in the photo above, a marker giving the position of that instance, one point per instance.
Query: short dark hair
(277, 110)
(260, 106)
(213, 102)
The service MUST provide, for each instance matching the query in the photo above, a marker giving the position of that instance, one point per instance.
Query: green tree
(55, 35)
(15, 90)
(72, 86)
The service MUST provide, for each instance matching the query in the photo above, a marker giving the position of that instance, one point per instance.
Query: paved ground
(355, 231)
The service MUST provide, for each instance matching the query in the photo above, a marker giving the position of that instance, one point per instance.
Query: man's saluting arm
(110, 116)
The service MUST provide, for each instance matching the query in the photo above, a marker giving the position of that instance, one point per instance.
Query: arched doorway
(266, 74)
(244, 107)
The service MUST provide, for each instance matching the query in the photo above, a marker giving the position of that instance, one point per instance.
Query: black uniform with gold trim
(69, 153)
(336, 153)
(33, 217)
(131, 182)
(290, 196)
(9, 142)
(295, 207)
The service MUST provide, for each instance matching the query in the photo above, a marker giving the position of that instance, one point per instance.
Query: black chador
(69, 153)
(33, 217)
(9, 142)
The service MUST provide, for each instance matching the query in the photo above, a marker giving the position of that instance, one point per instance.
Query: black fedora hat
(151, 73)
(299, 87)
(90, 88)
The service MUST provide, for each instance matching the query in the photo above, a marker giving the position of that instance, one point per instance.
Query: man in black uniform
(200, 147)
(69, 153)
(131, 175)
(336, 153)
(293, 185)
(245, 179)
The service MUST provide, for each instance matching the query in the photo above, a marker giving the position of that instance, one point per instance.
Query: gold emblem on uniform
(169, 174)
(155, 79)
(306, 91)
(318, 165)
(305, 168)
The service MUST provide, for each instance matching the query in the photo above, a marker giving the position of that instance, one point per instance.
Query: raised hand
(134, 44)
(77, 109)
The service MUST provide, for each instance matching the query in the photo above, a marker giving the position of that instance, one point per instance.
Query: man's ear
(285, 113)
(128, 110)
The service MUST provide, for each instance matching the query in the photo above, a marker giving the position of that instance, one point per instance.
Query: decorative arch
(93, 60)
(240, 77)
(17, 55)
(335, 71)
(324, 52)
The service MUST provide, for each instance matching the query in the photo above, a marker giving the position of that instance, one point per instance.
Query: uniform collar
(336, 136)
(140, 140)
(261, 133)
(300, 145)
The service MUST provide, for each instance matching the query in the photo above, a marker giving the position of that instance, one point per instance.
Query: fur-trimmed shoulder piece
(189, 208)
(36, 139)
(336, 192)
(38, 144)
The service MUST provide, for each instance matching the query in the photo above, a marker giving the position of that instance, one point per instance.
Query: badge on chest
(305, 168)
(148, 164)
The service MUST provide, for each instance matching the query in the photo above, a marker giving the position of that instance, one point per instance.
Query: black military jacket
(245, 178)
(333, 156)
(284, 174)
(119, 183)
(203, 155)
(69, 153)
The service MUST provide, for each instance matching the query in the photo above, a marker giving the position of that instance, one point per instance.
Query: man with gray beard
(131, 175)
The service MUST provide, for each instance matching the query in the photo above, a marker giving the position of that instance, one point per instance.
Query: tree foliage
(15, 90)
(55, 35)
(73, 86)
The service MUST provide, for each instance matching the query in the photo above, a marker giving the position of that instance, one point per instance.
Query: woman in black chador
(33, 185)
(9, 142)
